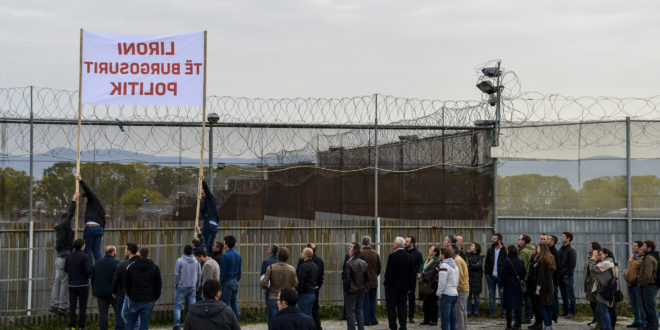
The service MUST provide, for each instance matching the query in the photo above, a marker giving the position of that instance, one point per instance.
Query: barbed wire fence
(292, 141)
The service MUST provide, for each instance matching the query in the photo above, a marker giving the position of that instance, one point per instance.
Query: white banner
(143, 70)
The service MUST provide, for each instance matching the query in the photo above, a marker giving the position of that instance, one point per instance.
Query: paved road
(480, 323)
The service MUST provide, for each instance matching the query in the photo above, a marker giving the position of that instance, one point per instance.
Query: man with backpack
(648, 281)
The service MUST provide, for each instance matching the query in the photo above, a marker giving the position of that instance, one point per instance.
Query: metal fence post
(629, 190)
(376, 218)
(31, 207)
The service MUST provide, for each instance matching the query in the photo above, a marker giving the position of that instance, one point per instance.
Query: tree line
(123, 187)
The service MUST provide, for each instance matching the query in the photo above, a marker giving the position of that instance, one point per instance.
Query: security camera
(213, 118)
(492, 99)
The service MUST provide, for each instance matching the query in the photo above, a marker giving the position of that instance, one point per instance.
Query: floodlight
(487, 87)
(213, 118)
(492, 72)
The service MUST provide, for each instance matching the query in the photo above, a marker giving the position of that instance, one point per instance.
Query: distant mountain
(590, 168)
(42, 162)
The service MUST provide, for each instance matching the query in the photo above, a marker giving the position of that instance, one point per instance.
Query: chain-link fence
(322, 170)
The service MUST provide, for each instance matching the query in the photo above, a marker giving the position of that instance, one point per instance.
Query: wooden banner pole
(201, 158)
(75, 233)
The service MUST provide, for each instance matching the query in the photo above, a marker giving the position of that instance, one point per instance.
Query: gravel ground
(480, 323)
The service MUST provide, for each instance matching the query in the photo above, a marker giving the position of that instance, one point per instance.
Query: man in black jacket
(347, 257)
(102, 274)
(492, 267)
(399, 276)
(289, 316)
(355, 277)
(211, 313)
(143, 288)
(208, 211)
(94, 222)
(63, 247)
(417, 261)
(315, 307)
(79, 269)
(308, 278)
(566, 267)
(119, 284)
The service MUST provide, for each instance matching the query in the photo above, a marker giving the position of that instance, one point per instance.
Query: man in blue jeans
(209, 212)
(631, 276)
(648, 281)
(308, 276)
(94, 222)
(230, 274)
(187, 278)
(143, 288)
(494, 257)
(119, 284)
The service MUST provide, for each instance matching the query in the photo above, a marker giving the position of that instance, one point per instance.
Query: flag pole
(201, 153)
(75, 235)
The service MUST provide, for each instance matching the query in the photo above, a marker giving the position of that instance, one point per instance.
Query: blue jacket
(230, 268)
(267, 262)
(292, 318)
(102, 274)
(209, 207)
(187, 272)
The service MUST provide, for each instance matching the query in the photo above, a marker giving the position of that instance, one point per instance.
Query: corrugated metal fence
(166, 241)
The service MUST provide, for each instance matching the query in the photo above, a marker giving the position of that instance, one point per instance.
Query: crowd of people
(528, 278)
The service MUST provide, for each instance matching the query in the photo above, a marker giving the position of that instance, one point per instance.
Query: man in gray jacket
(210, 270)
(187, 278)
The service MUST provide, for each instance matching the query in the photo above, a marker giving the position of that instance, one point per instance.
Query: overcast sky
(426, 49)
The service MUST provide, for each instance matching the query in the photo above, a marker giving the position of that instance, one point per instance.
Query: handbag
(523, 285)
(426, 289)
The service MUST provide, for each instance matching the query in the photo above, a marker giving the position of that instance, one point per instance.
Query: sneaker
(411, 320)
(570, 316)
(527, 321)
(176, 327)
(63, 311)
(535, 326)
(53, 310)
